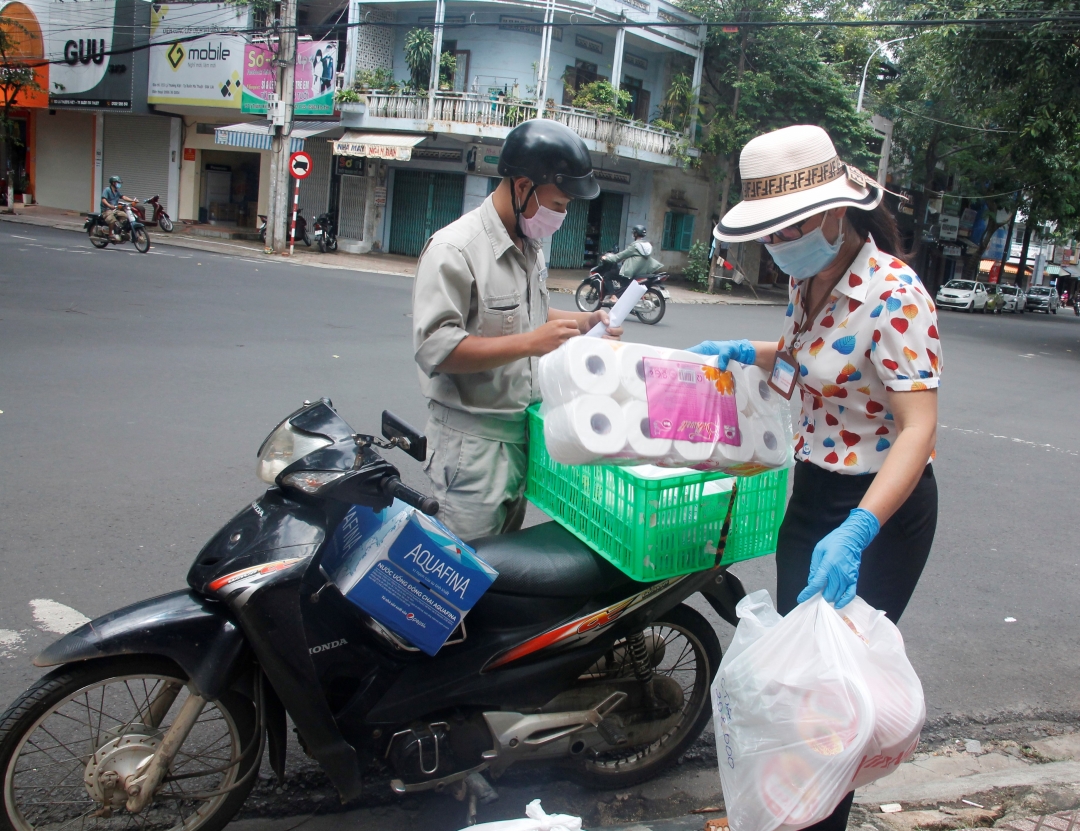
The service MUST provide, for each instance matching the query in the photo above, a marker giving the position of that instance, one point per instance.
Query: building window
(678, 231)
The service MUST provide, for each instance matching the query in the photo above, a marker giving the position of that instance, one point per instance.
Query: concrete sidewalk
(188, 236)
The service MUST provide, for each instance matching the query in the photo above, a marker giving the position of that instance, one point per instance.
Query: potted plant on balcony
(418, 46)
(374, 80)
(601, 98)
(349, 101)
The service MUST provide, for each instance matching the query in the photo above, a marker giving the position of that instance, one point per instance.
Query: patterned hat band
(783, 184)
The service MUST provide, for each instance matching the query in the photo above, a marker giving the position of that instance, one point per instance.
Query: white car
(1015, 299)
(962, 294)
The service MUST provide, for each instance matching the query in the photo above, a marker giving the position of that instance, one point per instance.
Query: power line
(950, 123)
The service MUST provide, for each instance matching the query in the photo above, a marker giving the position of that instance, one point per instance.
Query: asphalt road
(136, 390)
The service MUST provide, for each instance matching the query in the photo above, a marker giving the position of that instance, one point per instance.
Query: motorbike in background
(325, 233)
(131, 230)
(605, 285)
(159, 216)
(301, 228)
(167, 707)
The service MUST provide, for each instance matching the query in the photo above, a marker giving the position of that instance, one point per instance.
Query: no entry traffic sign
(300, 164)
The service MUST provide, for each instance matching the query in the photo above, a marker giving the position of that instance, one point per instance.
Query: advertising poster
(316, 64)
(90, 45)
(200, 72)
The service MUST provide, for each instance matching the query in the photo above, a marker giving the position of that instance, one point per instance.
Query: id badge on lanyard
(785, 372)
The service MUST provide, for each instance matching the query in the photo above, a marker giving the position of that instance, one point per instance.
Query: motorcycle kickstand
(478, 791)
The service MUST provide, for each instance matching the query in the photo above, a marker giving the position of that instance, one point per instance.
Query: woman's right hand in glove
(726, 350)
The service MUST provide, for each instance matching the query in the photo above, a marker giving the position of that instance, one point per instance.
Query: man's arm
(625, 254)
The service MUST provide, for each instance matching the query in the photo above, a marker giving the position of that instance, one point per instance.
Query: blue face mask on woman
(806, 256)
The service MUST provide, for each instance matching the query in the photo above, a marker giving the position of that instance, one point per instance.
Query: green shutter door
(686, 232)
(568, 243)
(423, 203)
(610, 221)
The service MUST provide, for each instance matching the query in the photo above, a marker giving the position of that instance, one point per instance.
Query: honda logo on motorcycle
(326, 647)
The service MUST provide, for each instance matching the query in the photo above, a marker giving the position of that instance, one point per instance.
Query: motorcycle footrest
(610, 730)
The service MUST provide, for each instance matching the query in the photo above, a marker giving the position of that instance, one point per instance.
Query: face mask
(806, 256)
(543, 223)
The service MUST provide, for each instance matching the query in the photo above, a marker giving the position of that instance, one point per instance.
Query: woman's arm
(915, 414)
(764, 354)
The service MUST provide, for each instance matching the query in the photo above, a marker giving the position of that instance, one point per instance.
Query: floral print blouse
(877, 332)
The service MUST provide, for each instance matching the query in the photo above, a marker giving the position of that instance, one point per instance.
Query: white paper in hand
(538, 820)
(621, 310)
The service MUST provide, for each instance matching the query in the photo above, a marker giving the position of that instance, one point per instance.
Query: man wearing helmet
(637, 259)
(481, 322)
(111, 198)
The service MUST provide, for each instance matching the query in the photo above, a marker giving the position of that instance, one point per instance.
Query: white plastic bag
(793, 715)
(537, 820)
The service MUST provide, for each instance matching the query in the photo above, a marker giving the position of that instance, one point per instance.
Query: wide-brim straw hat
(789, 175)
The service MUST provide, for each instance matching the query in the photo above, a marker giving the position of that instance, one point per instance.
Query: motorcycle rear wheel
(587, 296)
(322, 245)
(654, 307)
(141, 240)
(70, 727)
(691, 657)
(96, 241)
(165, 224)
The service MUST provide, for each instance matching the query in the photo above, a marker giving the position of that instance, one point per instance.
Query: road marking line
(1047, 447)
(56, 617)
(32, 239)
(10, 641)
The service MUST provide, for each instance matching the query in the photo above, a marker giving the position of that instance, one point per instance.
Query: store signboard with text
(316, 64)
(189, 70)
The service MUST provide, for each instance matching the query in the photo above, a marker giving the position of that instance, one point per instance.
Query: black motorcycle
(325, 233)
(164, 709)
(301, 233)
(131, 230)
(605, 285)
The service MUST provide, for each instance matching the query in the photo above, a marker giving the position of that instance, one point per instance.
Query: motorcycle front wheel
(140, 239)
(651, 307)
(165, 224)
(587, 296)
(691, 657)
(69, 742)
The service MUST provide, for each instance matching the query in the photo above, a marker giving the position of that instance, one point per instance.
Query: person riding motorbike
(111, 200)
(637, 259)
(481, 321)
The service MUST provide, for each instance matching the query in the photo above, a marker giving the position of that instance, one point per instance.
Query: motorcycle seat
(546, 560)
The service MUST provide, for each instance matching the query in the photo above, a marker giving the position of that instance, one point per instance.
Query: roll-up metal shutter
(315, 189)
(568, 243)
(351, 207)
(610, 221)
(136, 148)
(423, 203)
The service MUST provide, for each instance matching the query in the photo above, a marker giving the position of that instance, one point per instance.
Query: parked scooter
(159, 216)
(325, 233)
(168, 705)
(131, 230)
(301, 228)
(605, 285)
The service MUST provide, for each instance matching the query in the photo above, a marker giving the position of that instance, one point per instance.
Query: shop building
(421, 160)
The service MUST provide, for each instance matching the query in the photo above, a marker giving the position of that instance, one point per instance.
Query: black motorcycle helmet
(549, 153)
(639, 231)
(115, 180)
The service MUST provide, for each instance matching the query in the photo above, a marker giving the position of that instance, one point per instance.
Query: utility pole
(277, 226)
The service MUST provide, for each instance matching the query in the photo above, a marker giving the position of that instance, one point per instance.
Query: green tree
(418, 46)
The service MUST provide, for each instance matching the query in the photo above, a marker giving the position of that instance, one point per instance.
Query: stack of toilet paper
(596, 411)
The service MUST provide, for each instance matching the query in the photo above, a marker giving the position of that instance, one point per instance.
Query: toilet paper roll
(735, 453)
(690, 453)
(581, 366)
(769, 444)
(639, 442)
(763, 399)
(690, 357)
(585, 430)
(742, 384)
(631, 369)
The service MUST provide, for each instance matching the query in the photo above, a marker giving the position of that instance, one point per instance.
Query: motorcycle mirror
(414, 442)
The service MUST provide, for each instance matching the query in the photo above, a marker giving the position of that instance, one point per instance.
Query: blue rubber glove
(834, 566)
(739, 350)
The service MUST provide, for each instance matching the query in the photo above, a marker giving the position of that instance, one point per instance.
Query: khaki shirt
(472, 279)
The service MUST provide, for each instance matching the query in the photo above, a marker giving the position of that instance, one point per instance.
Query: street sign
(300, 165)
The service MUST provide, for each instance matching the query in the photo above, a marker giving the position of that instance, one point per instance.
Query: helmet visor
(578, 187)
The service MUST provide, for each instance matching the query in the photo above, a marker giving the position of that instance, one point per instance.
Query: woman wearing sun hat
(860, 346)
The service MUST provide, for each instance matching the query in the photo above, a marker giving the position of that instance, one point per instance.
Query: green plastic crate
(652, 529)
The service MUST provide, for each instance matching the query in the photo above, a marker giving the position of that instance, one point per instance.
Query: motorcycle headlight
(312, 481)
(283, 447)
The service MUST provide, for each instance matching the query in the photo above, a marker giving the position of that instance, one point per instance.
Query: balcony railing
(473, 108)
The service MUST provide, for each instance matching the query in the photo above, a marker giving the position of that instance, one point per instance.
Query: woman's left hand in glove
(834, 566)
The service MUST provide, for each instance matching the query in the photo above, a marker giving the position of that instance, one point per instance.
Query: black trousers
(891, 565)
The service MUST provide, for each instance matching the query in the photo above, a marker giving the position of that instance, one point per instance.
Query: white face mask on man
(543, 223)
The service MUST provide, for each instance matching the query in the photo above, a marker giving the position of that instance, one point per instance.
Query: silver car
(1043, 299)
(1015, 299)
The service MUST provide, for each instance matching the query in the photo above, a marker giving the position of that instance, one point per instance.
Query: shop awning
(396, 146)
(258, 134)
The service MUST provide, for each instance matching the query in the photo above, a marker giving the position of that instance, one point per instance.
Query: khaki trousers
(479, 482)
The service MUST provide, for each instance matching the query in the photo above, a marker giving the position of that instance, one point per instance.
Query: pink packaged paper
(691, 402)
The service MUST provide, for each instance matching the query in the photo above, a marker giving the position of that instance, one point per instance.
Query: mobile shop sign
(393, 152)
(186, 69)
(89, 45)
(316, 65)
